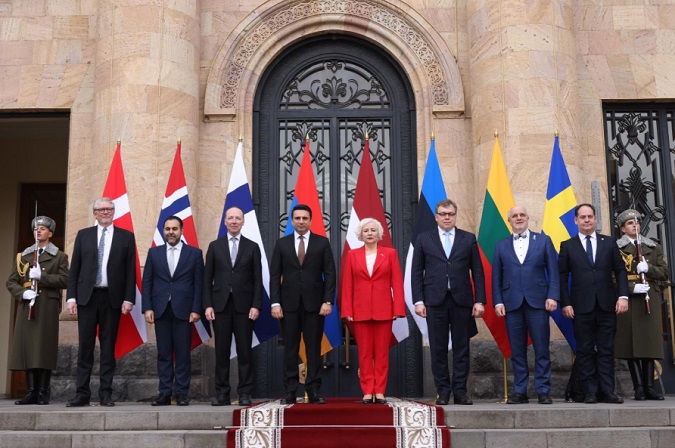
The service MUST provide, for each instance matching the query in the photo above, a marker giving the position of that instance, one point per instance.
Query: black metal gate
(336, 88)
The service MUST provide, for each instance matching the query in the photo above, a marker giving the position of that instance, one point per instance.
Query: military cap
(627, 215)
(45, 221)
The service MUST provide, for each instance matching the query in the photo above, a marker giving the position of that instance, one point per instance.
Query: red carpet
(340, 423)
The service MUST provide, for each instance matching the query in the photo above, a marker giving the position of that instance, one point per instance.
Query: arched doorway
(337, 88)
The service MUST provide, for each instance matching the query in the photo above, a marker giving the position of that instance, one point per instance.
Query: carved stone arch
(398, 29)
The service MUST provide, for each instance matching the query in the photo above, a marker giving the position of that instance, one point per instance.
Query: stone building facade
(151, 71)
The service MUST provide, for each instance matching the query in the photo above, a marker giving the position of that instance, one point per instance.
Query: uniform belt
(27, 284)
(634, 277)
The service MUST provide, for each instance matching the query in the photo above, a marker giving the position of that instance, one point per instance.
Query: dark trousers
(226, 323)
(96, 313)
(519, 323)
(174, 336)
(310, 325)
(595, 330)
(443, 321)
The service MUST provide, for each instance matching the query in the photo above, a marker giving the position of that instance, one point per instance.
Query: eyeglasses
(104, 210)
(447, 214)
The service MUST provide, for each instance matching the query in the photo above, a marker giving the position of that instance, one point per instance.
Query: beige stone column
(524, 85)
(146, 94)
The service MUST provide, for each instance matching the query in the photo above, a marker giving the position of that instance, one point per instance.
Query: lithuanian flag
(494, 226)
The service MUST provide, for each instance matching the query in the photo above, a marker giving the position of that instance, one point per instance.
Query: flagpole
(506, 385)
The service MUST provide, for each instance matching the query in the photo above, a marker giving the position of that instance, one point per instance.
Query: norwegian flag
(132, 330)
(177, 203)
(367, 204)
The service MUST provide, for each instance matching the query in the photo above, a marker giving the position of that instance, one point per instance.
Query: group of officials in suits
(448, 287)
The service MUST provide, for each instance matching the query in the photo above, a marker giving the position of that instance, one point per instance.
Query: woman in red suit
(372, 297)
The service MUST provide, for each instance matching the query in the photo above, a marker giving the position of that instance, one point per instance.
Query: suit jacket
(535, 280)
(121, 267)
(244, 279)
(591, 282)
(184, 287)
(431, 270)
(314, 281)
(378, 297)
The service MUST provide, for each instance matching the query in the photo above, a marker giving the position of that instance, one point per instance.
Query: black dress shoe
(544, 399)
(442, 400)
(107, 401)
(77, 402)
(316, 399)
(651, 394)
(640, 394)
(517, 398)
(289, 399)
(220, 400)
(162, 400)
(182, 400)
(245, 400)
(463, 400)
(368, 400)
(590, 399)
(610, 397)
(380, 400)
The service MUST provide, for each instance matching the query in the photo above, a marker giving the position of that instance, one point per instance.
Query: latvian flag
(367, 204)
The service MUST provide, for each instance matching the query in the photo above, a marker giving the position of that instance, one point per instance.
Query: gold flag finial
(556, 133)
(178, 141)
(496, 134)
(119, 141)
(241, 138)
(367, 136)
(432, 136)
(307, 138)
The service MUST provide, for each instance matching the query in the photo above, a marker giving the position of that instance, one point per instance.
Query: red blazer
(379, 297)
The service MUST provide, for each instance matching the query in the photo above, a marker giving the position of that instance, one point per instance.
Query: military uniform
(35, 342)
(638, 334)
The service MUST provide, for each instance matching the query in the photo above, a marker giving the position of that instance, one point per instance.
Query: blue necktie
(101, 250)
(589, 249)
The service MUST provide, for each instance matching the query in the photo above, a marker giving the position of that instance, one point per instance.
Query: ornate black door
(640, 145)
(335, 89)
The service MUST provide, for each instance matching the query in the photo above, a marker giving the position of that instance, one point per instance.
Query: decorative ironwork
(632, 126)
(334, 84)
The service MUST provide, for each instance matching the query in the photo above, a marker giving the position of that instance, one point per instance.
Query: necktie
(101, 249)
(301, 250)
(589, 249)
(234, 251)
(448, 244)
(172, 260)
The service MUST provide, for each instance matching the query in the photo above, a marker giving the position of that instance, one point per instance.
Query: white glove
(642, 266)
(640, 288)
(29, 294)
(35, 273)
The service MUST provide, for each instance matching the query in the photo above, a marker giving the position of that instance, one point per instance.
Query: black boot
(648, 380)
(44, 392)
(635, 374)
(31, 389)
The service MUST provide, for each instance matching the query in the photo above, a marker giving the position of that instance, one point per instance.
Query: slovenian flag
(177, 203)
(239, 195)
(132, 331)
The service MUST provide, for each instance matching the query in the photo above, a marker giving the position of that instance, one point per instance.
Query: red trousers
(373, 338)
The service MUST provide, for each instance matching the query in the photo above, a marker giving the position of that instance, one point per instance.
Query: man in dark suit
(302, 289)
(173, 279)
(590, 259)
(526, 289)
(445, 261)
(102, 283)
(232, 301)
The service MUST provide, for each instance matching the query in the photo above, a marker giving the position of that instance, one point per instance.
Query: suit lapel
(436, 238)
(181, 259)
(531, 246)
(459, 239)
(379, 259)
(582, 248)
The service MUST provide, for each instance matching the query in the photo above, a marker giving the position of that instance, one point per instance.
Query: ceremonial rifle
(36, 263)
(641, 258)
